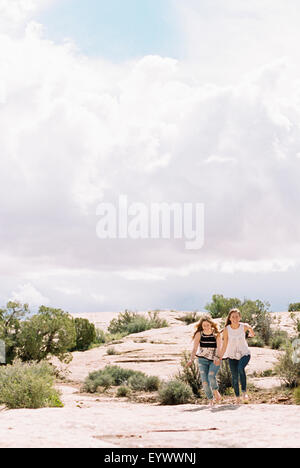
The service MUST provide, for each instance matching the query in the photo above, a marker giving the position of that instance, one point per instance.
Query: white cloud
(76, 130)
(14, 14)
(225, 39)
(28, 294)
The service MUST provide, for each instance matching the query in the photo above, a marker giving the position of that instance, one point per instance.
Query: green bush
(296, 321)
(28, 385)
(137, 381)
(287, 370)
(10, 327)
(117, 376)
(103, 380)
(255, 313)
(256, 342)
(220, 305)
(190, 317)
(85, 334)
(152, 383)
(224, 377)
(297, 395)
(131, 322)
(111, 351)
(123, 391)
(175, 392)
(190, 375)
(51, 332)
(294, 307)
(279, 339)
(100, 337)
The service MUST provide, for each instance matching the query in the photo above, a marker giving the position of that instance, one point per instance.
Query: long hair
(199, 326)
(232, 311)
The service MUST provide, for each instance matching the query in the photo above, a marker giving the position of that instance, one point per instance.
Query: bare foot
(217, 397)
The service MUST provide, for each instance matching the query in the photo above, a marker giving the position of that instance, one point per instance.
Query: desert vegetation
(130, 322)
(115, 376)
(254, 312)
(189, 317)
(28, 385)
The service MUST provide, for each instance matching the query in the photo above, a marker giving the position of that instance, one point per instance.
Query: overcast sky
(162, 101)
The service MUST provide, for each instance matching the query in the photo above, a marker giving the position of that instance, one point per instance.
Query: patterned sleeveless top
(207, 347)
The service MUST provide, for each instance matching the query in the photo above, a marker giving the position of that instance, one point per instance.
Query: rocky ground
(269, 420)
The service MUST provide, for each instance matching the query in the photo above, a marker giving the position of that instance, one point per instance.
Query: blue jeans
(208, 372)
(237, 368)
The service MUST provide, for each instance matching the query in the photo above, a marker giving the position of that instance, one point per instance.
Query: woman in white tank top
(235, 348)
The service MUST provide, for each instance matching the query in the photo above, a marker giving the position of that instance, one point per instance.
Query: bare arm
(219, 345)
(217, 361)
(249, 329)
(195, 347)
(225, 343)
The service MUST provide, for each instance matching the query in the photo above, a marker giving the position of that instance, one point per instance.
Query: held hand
(189, 363)
(217, 362)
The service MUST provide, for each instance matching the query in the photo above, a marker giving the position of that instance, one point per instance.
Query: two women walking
(210, 349)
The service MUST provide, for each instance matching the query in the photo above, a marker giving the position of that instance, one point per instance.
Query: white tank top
(237, 344)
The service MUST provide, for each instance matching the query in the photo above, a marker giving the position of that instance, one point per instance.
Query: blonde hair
(232, 311)
(199, 326)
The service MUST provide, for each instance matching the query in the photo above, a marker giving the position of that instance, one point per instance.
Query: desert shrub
(111, 351)
(267, 373)
(224, 377)
(296, 321)
(287, 369)
(143, 382)
(103, 380)
(294, 307)
(138, 325)
(220, 305)
(85, 334)
(256, 342)
(175, 392)
(117, 376)
(137, 381)
(152, 383)
(10, 327)
(190, 375)
(279, 339)
(297, 395)
(100, 337)
(255, 313)
(131, 322)
(123, 391)
(51, 332)
(190, 317)
(28, 385)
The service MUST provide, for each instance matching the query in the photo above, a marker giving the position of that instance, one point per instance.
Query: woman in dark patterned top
(207, 347)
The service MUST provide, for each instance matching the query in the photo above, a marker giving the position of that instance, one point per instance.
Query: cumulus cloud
(28, 294)
(76, 131)
(225, 39)
(14, 14)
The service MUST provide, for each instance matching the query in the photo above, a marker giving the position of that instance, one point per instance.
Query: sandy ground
(102, 421)
(156, 352)
(91, 422)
